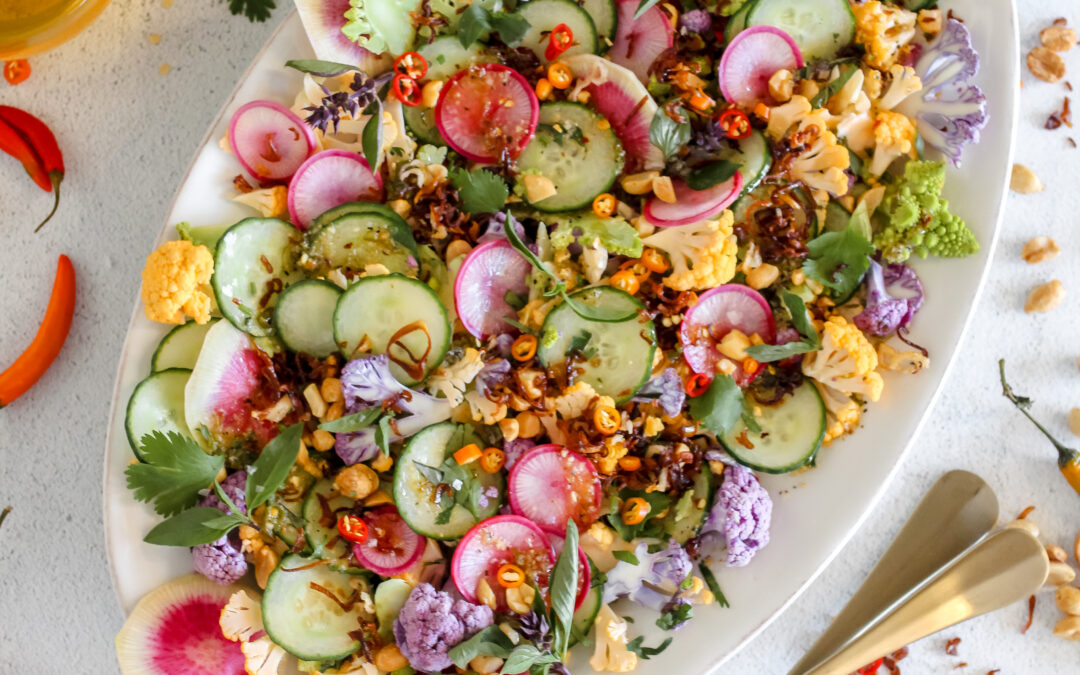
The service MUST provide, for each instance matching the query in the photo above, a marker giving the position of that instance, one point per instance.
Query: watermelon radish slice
(693, 206)
(391, 547)
(551, 485)
(226, 378)
(328, 179)
(753, 57)
(716, 313)
(487, 112)
(619, 96)
(269, 140)
(639, 41)
(323, 21)
(174, 629)
(584, 570)
(494, 542)
(486, 275)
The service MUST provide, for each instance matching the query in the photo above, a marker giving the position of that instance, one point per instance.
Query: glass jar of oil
(31, 26)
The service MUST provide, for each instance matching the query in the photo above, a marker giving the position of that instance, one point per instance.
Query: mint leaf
(271, 468)
(351, 423)
(173, 471)
(627, 556)
(720, 407)
(489, 642)
(481, 191)
(200, 525)
(838, 260)
(711, 174)
(319, 68)
(667, 134)
(474, 22)
(430, 473)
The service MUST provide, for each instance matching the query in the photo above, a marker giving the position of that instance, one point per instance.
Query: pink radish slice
(693, 206)
(716, 313)
(323, 21)
(494, 542)
(488, 272)
(486, 112)
(639, 41)
(328, 179)
(584, 569)
(551, 485)
(269, 140)
(391, 547)
(174, 629)
(754, 56)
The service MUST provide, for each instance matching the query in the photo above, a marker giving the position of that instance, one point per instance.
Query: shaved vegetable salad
(531, 295)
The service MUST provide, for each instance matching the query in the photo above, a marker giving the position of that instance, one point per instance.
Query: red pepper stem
(56, 177)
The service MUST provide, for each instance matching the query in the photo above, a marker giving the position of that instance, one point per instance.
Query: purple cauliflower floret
(496, 231)
(884, 312)
(653, 580)
(696, 21)
(740, 519)
(516, 449)
(432, 622)
(368, 383)
(666, 389)
(493, 375)
(221, 560)
(673, 605)
(948, 112)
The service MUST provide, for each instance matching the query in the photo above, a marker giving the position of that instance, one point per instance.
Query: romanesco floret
(615, 234)
(846, 361)
(175, 283)
(894, 136)
(884, 30)
(918, 220)
(702, 255)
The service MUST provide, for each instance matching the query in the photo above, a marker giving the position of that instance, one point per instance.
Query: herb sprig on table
(254, 10)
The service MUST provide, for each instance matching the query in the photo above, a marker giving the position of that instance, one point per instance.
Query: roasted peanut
(1025, 524)
(1059, 574)
(1056, 553)
(1068, 628)
(315, 400)
(1038, 249)
(664, 189)
(1058, 38)
(1067, 598)
(486, 665)
(1074, 421)
(457, 248)
(266, 561)
(484, 594)
(1024, 180)
(330, 389)
(389, 658)
(1045, 297)
(356, 481)
(782, 85)
(762, 276)
(639, 183)
(1045, 64)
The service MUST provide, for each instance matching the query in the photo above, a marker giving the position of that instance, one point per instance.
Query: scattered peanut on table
(1039, 249)
(1024, 180)
(1045, 297)
(1046, 64)
(1058, 38)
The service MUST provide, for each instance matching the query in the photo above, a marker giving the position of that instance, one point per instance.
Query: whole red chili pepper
(44, 161)
(28, 368)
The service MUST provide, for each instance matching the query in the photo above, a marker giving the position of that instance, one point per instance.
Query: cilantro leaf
(673, 618)
(838, 260)
(650, 527)
(173, 471)
(269, 471)
(711, 174)
(200, 525)
(645, 653)
(481, 191)
(627, 556)
(667, 134)
(801, 320)
(254, 10)
(351, 423)
(720, 407)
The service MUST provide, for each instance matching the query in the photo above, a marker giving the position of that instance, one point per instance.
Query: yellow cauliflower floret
(610, 653)
(846, 361)
(783, 117)
(908, 361)
(841, 412)
(451, 381)
(575, 400)
(702, 256)
(884, 30)
(270, 202)
(175, 283)
(821, 166)
(614, 450)
(894, 136)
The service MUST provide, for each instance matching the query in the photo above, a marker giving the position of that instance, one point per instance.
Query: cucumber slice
(282, 525)
(366, 236)
(414, 494)
(304, 317)
(620, 355)
(683, 529)
(585, 616)
(577, 149)
(157, 404)
(544, 15)
(322, 507)
(753, 155)
(253, 257)
(180, 346)
(374, 309)
(820, 28)
(605, 17)
(737, 21)
(303, 621)
(791, 433)
(445, 56)
(916, 5)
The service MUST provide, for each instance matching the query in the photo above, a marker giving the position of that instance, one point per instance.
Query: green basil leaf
(371, 139)
(430, 473)
(604, 314)
(711, 174)
(271, 468)
(510, 27)
(667, 134)
(199, 525)
(832, 88)
(489, 642)
(233, 508)
(838, 260)
(319, 68)
(351, 423)
(474, 22)
(524, 657)
(564, 586)
(627, 556)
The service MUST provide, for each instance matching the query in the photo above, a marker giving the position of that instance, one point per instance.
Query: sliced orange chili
(411, 64)
(734, 123)
(407, 90)
(606, 419)
(635, 510)
(524, 348)
(626, 280)
(353, 528)
(492, 460)
(17, 71)
(468, 454)
(41, 353)
(510, 575)
(750, 365)
(654, 261)
(559, 41)
(629, 463)
(604, 204)
(701, 102)
(697, 385)
(559, 75)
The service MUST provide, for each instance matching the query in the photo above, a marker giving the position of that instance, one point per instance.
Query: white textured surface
(128, 133)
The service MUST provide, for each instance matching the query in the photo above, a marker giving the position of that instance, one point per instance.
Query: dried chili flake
(962, 664)
(890, 665)
(1052, 122)
(1025, 513)
(241, 184)
(1066, 114)
(1071, 142)
(1060, 21)
(950, 646)
(1068, 86)
(1031, 615)
(899, 654)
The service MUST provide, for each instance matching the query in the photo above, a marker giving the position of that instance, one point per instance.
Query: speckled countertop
(128, 131)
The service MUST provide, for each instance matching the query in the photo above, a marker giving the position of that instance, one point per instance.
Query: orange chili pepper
(559, 75)
(29, 140)
(654, 261)
(606, 419)
(510, 576)
(524, 348)
(543, 89)
(629, 463)
(635, 510)
(750, 365)
(700, 101)
(17, 71)
(625, 280)
(37, 358)
(492, 460)
(353, 528)
(604, 204)
(468, 454)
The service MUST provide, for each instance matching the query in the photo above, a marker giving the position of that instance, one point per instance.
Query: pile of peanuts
(1059, 578)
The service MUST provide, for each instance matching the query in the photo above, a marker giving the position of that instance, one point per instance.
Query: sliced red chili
(407, 90)
(17, 71)
(353, 528)
(871, 668)
(559, 41)
(697, 385)
(411, 64)
(734, 123)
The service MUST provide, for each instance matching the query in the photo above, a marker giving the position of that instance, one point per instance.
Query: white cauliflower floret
(841, 412)
(575, 400)
(610, 653)
(821, 166)
(451, 381)
(594, 260)
(783, 117)
(703, 255)
(484, 410)
(884, 30)
(846, 361)
(240, 620)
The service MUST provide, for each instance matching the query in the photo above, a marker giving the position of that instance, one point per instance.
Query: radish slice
(494, 542)
(488, 272)
(269, 140)
(487, 112)
(551, 485)
(174, 629)
(716, 313)
(584, 569)
(328, 179)
(753, 57)
(391, 547)
(323, 21)
(693, 206)
(639, 41)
